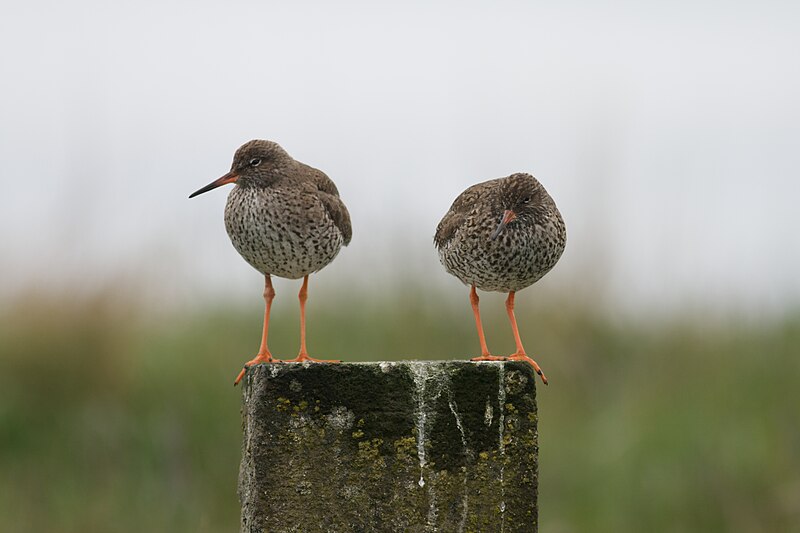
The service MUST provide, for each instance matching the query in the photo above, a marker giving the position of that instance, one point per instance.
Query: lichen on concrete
(448, 446)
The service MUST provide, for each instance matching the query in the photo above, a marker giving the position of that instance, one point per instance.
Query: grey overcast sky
(668, 133)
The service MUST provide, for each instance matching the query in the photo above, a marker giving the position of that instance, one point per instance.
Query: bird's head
(521, 197)
(255, 161)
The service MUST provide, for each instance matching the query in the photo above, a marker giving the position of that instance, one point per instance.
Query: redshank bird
(286, 219)
(501, 235)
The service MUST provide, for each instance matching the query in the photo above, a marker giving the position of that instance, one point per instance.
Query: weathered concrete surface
(444, 446)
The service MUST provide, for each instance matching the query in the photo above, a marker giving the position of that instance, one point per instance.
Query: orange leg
(485, 355)
(264, 355)
(520, 354)
(303, 355)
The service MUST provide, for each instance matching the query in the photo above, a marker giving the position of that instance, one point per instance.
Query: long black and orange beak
(230, 177)
(508, 216)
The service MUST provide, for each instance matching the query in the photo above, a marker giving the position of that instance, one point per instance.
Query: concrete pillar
(418, 446)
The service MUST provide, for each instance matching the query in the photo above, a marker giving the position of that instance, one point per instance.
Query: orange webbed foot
(487, 357)
(303, 357)
(521, 356)
(260, 358)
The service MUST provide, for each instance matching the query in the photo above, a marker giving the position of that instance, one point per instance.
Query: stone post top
(418, 365)
(418, 446)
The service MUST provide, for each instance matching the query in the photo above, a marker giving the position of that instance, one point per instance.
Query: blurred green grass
(115, 419)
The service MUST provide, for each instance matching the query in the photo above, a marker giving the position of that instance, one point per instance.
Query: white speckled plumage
(285, 219)
(286, 233)
(524, 251)
(501, 235)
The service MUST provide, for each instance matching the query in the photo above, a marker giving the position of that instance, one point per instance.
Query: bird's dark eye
(526, 200)
(255, 162)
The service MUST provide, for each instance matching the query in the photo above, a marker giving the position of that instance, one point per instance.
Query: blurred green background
(667, 133)
(116, 420)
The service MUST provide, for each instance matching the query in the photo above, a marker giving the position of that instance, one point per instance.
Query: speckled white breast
(282, 233)
(516, 259)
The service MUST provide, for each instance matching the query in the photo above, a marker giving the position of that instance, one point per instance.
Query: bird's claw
(524, 357)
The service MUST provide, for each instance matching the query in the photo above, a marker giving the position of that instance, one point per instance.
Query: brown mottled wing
(457, 214)
(329, 195)
(447, 227)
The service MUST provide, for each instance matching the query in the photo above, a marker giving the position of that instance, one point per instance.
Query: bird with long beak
(285, 219)
(501, 235)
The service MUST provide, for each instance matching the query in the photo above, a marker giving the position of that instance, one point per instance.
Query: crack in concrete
(501, 445)
(467, 454)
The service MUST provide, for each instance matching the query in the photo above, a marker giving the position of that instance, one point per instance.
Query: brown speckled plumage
(501, 235)
(286, 219)
(524, 251)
